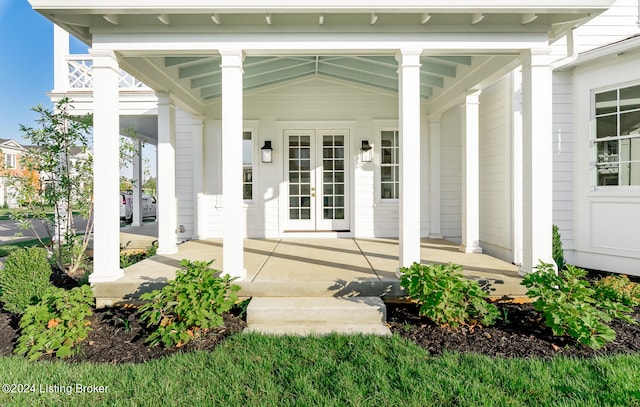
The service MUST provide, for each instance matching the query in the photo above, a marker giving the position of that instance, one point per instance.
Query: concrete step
(317, 315)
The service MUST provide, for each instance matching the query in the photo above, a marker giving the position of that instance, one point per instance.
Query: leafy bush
(58, 323)
(26, 275)
(618, 288)
(446, 297)
(569, 305)
(188, 305)
(557, 250)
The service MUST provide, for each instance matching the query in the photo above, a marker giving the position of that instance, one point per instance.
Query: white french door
(317, 180)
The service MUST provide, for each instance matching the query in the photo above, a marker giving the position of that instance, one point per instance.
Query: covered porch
(312, 267)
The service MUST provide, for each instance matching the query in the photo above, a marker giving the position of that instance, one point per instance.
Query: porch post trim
(409, 126)
(166, 182)
(198, 176)
(537, 158)
(435, 227)
(106, 142)
(470, 174)
(232, 128)
(137, 183)
(60, 52)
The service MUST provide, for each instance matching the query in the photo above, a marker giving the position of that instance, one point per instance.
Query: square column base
(470, 249)
(93, 278)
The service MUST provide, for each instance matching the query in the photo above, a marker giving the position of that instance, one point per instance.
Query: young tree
(61, 155)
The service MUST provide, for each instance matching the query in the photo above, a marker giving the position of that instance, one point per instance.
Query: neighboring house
(12, 153)
(358, 118)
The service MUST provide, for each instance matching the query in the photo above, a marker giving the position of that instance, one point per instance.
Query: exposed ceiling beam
(165, 19)
(112, 18)
(528, 18)
(476, 18)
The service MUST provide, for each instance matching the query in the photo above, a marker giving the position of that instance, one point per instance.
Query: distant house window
(389, 164)
(10, 161)
(247, 165)
(617, 141)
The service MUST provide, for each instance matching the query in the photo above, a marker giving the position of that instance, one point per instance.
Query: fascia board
(310, 6)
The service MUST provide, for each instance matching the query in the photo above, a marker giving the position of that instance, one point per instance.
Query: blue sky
(26, 68)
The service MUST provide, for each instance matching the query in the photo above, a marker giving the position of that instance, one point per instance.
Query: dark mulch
(521, 334)
(117, 336)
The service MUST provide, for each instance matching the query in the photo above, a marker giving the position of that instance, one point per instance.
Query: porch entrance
(317, 174)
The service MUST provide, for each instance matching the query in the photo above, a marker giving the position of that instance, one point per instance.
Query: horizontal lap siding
(451, 172)
(495, 170)
(184, 172)
(563, 214)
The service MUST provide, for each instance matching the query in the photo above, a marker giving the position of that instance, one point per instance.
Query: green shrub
(557, 250)
(26, 275)
(187, 306)
(569, 305)
(618, 288)
(130, 258)
(58, 323)
(446, 297)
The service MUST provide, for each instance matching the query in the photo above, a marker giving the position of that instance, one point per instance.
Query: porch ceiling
(203, 76)
(192, 73)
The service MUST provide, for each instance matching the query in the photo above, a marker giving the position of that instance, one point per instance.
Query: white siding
(606, 233)
(314, 103)
(563, 215)
(495, 170)
(451, 173)
(615, 24)
(184, 172)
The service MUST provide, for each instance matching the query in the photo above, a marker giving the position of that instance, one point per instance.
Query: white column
(537, 163)
(198, 177)
(409, 115)
(516, 91)
(60, 53)
(435, 231)
(106, 164)
(232, 94)
(137, 183)
(470, 175)
(166, 183)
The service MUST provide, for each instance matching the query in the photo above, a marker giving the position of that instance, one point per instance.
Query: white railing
(80, 75)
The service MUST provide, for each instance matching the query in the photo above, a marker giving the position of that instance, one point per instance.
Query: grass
(5, 213)
(7, 248)
(255, 370)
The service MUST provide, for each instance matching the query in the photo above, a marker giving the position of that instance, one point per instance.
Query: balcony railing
(80, 75)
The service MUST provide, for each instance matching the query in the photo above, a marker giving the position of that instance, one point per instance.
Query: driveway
(9, 228)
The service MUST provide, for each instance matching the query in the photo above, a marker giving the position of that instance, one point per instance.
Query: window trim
(380, 126)
(594, 140)
(14, 160)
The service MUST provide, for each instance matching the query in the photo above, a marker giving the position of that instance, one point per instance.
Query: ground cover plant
(446, 297)
(571, 306)
(189, 305)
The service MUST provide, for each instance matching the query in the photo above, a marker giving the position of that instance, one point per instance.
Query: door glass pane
(333, 153)
(299, 177)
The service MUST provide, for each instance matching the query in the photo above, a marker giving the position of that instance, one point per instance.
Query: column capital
(164, 98)
(434, 118)
(104, 58)
(409, 57)
(536, 57)
(231, 58)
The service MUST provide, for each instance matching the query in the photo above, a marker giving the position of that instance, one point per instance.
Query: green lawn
(255, 370)
(6, 248)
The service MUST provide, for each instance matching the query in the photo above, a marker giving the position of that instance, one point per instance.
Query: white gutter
(572, 51)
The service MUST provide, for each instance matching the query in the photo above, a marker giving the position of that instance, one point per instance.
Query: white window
(247, 165)
(389, 164)
(10, 161)
(617, 138)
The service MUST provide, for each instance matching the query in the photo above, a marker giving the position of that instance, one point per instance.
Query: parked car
(147, 206)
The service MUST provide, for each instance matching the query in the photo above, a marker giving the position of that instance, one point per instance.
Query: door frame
(314, 227)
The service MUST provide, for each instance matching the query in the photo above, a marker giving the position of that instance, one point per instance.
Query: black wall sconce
(267, 152)
(366, 151)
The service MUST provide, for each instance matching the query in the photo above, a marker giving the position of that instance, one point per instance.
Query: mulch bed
(118, 337)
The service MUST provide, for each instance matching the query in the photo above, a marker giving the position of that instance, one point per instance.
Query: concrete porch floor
(314, 267)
